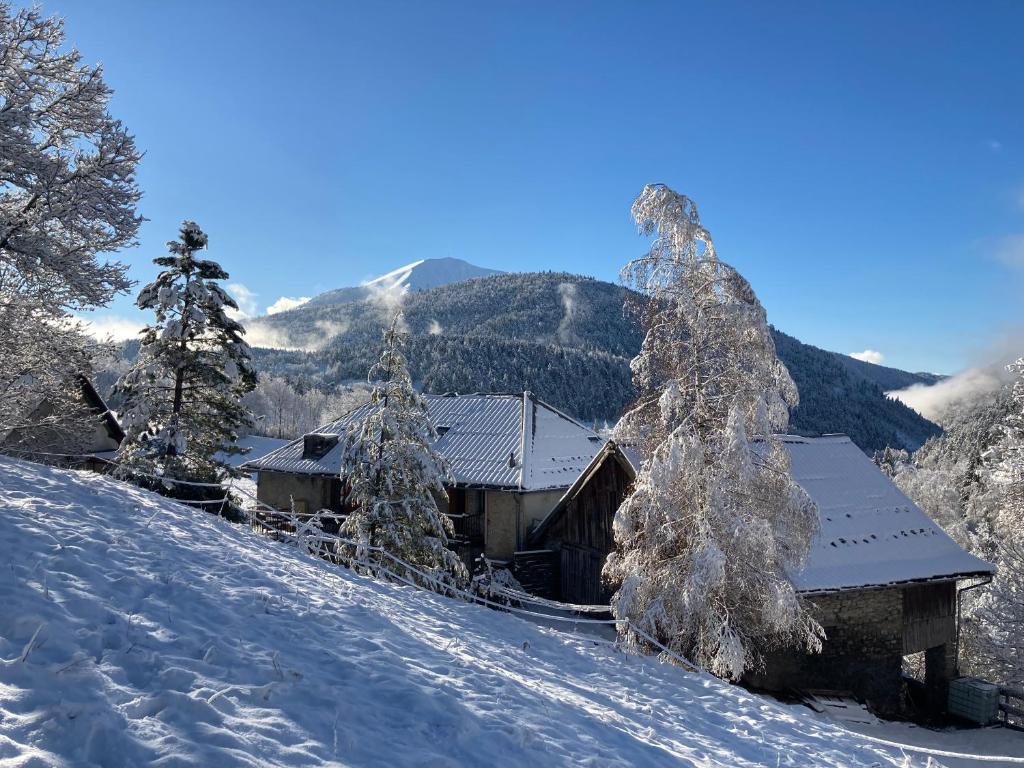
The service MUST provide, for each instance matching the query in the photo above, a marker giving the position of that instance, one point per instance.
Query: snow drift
(135, 631)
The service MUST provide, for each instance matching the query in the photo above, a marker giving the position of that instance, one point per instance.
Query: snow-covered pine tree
(183, 397)
(715, 523)
(394, 475)
(67, 195)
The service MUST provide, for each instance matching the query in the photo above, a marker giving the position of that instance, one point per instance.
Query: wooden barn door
(581, 576)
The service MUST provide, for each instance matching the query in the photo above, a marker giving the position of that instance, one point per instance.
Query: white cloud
(869, 356)
(1010, 250)
(285, 303)
(112, 327)
(933, 401)
(435, 328)
(260, 334)
(246, 300)
(994, 145)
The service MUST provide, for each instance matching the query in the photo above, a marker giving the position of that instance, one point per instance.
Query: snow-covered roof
(871, 533)
(498, 441)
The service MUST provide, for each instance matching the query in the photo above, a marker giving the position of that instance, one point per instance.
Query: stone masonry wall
(862, 652)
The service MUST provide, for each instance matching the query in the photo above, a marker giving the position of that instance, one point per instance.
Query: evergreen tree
(183, 397)
(395, 476)
(715, 523)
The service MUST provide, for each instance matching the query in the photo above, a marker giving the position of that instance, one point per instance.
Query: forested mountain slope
(566, 338)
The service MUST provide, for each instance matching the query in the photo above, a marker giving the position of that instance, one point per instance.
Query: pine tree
(715, 523)
(395, 476)
(183, 397)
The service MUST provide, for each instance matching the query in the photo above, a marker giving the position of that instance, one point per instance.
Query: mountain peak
(430, 273)
(419, 275)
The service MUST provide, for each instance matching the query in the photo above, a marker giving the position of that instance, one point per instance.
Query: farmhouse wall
(867, 634)
(277, 489)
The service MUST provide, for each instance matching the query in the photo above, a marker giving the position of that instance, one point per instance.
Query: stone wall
(310, 492)
(862, 653)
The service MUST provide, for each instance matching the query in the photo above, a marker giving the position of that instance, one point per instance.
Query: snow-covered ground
(134, 631)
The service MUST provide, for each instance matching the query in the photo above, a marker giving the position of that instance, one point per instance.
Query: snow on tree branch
(68, 194)
(183, 397)
(715, 522)
(395, 476)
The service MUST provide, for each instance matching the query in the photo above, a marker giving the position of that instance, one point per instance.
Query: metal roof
(497, 441)
(871, 534)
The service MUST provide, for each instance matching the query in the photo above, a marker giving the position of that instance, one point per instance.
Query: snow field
(135, 631)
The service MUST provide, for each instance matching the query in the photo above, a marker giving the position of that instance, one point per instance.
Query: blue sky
(861, 163)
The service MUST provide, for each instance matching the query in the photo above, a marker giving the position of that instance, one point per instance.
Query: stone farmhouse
(883, 579)
(512, 456)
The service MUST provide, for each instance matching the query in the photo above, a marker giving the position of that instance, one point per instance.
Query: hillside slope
(139, 632)
(566, 338)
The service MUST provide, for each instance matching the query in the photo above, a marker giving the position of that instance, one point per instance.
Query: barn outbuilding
(882, 578)
(81, 432)
(512, 458)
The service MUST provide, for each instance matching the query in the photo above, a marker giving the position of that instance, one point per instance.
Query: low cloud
(869, 356)
(435, 328)
(569, 295)
(246, 300)
(260, 334)
(945, 398)
(935, 401)
(112, 327)
(285, 303)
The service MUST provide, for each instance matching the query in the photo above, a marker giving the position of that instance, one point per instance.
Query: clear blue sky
(862, 163)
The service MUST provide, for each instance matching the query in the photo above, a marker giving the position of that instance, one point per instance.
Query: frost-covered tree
(997, 618)
(715, 524)
(67, 196)
(395, 476)
(182, 400)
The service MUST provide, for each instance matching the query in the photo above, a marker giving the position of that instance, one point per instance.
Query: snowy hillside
(417, 276)
(136, 632)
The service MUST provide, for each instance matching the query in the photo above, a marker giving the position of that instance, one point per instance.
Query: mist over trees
(970, 480)
(547, 332)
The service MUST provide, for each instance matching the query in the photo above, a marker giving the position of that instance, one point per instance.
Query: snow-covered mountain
(548, 332)
(136, 631)
(418, 276)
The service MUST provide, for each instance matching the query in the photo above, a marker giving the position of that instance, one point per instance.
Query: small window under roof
(316, 445)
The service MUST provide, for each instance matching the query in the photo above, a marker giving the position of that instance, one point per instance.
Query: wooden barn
(883, 579)
(87, 437)
(512, 456)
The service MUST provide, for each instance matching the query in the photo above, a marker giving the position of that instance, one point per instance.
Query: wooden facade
(579, 529)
